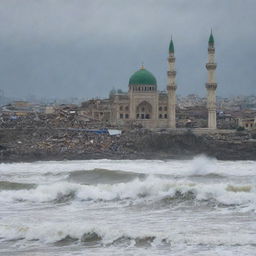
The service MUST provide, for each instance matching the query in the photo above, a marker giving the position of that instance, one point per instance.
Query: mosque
(144, 105)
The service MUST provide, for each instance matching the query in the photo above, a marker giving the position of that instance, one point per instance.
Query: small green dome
(142, 76)
(171, 47)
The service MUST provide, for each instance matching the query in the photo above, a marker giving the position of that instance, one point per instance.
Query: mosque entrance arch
(144, 110)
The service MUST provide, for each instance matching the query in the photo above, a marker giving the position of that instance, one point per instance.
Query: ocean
(105, 207)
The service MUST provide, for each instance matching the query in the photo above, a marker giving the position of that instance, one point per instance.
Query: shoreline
(95, 156)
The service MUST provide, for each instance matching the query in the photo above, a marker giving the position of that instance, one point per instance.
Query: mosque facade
(144, 105)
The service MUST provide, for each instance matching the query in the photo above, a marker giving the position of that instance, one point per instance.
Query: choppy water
(111, 207)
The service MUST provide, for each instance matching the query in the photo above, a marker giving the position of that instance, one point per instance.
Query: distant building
(49, 110)
(21, 108)
(247, 123)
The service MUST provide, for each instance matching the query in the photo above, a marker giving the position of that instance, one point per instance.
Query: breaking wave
(199, 165)
(200, 205)
(88, 235)
(150, 188)
(65, 233)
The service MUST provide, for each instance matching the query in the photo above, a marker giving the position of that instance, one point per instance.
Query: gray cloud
(84, 48)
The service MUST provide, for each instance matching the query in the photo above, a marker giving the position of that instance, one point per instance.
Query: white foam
(200, 165)
(153, 188)
(117, 210)
(48, 232)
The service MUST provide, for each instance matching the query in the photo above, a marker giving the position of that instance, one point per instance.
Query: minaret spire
(211, 85)
(171, 46)
(171, 87)
(211, 40)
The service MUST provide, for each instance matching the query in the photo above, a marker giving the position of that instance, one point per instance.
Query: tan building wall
(247, 123)
(148, 109)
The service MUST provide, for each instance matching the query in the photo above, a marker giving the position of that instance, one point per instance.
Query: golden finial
(142, 66)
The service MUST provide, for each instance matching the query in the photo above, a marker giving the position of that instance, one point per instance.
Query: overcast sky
(84, 48)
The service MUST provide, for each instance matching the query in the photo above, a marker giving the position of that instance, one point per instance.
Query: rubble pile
(50, 121)
(58, 137)
(220, 144)
(35, 144)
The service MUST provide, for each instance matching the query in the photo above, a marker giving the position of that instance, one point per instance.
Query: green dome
(142, 76)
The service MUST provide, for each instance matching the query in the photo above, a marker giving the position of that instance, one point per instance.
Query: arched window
(165, 116)
(160, 108)
(144, 110)
(160, 116)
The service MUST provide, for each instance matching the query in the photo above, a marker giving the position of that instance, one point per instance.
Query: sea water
(128, 207)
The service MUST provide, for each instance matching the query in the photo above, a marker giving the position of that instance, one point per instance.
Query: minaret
(211, 85)
(171, 88)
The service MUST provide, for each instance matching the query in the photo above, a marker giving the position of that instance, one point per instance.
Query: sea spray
(113, 207)
(152, 187)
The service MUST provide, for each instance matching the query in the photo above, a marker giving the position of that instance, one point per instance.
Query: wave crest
(152, 188)
(65, 234)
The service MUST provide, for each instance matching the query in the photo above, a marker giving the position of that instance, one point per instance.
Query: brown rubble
(59, 136)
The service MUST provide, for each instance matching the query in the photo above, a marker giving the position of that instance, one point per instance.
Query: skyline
(84, 49)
